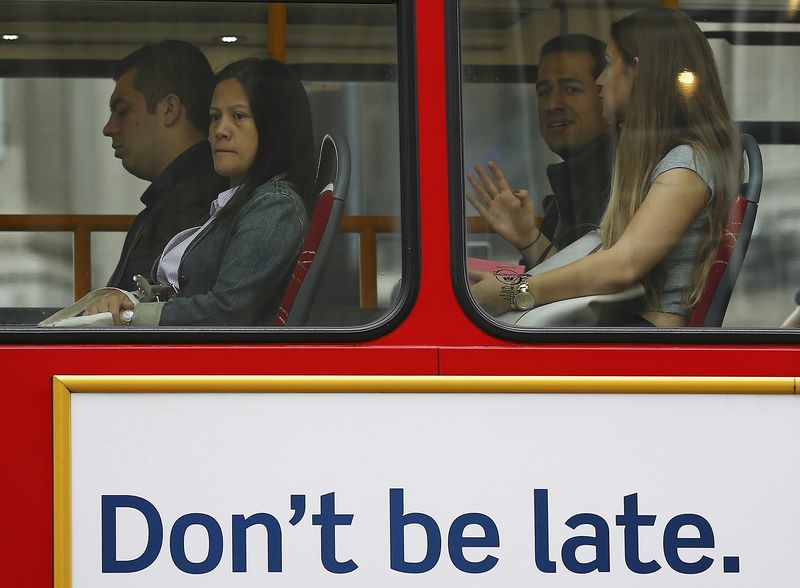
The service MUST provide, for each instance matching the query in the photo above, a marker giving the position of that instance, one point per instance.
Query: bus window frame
(531, 335)
(409, 229)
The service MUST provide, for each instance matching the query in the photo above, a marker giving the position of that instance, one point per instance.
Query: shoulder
(276, 197)
(684, 157)
(277, 190)
(196, 167)
(197, 183)
(680, 156)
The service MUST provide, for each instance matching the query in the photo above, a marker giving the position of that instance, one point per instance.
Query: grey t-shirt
(679, 263)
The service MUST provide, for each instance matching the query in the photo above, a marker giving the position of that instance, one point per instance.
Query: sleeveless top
(679, 262)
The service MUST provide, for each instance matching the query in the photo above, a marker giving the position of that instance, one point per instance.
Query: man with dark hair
(159, 129)
(571, 123)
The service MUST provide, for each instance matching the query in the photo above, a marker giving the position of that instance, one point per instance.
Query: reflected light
(687, 84)
(229, 39)
(792, 8)
(10, 37)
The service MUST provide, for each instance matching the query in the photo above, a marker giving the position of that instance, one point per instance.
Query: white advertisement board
(433, 489)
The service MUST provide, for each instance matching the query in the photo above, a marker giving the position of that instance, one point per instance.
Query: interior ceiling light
(792, 8)
(11, 37)
(687, 84)
(230, 39)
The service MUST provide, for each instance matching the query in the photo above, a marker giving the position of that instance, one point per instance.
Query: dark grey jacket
(236, 269)
(178, 199)
(580, 193)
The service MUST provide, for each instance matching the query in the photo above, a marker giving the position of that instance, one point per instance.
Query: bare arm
(665, 215)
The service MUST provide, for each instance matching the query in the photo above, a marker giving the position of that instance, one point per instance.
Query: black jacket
(178, 199)
(581, 187)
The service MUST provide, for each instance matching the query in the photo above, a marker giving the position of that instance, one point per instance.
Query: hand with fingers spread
(113, 302)
(510, 213)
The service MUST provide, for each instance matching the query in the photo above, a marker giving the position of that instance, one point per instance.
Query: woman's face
(232, 133)
(616, 82)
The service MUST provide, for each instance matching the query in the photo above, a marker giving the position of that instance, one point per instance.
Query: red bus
(421, 91)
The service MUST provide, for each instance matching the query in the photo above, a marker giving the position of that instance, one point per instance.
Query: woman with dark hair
(677, 167)
(233, 269)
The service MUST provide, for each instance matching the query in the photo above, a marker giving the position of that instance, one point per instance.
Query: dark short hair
(282, 116)
(577, 43)
(172, 67)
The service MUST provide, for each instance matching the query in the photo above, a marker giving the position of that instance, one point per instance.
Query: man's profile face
(570, 109)
(133, 131)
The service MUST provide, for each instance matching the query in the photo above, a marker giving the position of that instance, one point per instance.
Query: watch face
(127, 316)
(523, 301)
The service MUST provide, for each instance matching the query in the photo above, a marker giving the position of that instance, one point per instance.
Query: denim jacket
(177, 200)
(236, 269)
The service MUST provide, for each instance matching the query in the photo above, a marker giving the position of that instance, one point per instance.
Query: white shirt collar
(222, 200)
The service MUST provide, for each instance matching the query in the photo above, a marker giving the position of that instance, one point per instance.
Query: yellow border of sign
(63, 386)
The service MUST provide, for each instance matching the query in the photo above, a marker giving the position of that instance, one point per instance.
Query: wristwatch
(126, 316)
(522, 299)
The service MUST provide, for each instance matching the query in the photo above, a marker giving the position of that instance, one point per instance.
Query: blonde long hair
(676, 99)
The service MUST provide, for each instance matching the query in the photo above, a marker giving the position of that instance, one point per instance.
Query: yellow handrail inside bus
(276, 32)
(83, 225)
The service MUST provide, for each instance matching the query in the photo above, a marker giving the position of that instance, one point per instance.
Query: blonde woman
(678, 164)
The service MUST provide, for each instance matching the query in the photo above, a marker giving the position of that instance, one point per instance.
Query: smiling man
(159, 128)
(571, 123)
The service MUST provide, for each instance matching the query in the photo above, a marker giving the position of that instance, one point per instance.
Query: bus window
(544, 100)
(68, 203)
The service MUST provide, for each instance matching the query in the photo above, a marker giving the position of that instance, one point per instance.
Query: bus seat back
(332, 183)
(724, 271)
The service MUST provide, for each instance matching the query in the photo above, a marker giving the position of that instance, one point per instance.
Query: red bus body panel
(435, 338)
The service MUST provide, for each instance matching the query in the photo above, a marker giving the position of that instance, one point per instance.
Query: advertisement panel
(425, 482)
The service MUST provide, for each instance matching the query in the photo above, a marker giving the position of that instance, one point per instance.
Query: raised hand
(510, 213)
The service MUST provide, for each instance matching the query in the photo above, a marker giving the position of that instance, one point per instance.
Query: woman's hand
(510, 213)
(488, 291)
(113, 302)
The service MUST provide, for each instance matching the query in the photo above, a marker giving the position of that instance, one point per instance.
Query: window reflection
(506, 123)
(54, 101)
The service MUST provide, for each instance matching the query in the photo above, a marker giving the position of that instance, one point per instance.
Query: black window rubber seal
(458, 273)
(410, 245)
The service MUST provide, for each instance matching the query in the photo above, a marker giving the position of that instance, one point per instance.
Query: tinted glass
(55, 86)
(529, 132)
